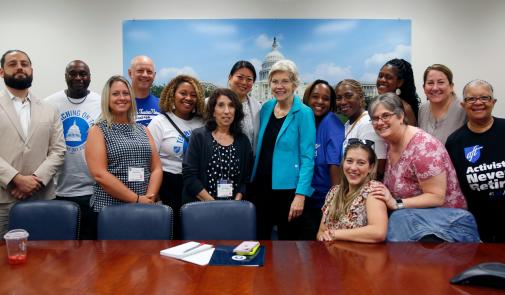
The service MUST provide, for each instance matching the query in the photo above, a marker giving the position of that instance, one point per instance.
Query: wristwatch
(399, 204)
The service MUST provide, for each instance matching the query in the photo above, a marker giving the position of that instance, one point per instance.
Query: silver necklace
(72, 102)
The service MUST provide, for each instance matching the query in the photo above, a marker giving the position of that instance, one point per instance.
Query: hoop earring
(398, 91)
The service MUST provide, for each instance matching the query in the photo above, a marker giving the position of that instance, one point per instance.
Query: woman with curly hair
(396, 76)
(182, 107)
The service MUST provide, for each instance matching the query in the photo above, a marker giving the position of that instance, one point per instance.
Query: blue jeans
(449, 224)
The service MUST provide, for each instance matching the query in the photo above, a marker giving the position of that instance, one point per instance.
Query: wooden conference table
(301, 267)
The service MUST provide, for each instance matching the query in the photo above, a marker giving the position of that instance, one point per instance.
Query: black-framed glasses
(473, 99)
(366, 142)
(384, 117)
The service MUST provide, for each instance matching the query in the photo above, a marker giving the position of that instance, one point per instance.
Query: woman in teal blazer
(284, 163)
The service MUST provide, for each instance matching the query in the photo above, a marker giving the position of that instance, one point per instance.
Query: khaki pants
(5, 208)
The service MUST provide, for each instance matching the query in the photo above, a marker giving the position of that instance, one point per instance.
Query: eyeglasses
(384, 117)
(473, 99)
(367, 142)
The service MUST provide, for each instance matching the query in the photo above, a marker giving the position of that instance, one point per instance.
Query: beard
(18, 83)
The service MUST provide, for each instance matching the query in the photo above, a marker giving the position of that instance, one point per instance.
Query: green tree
(156, 90)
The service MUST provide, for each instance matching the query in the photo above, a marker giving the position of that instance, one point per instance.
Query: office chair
(218, 220)
(135, 222)
(46, 219)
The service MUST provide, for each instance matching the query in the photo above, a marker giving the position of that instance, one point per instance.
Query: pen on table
(193, 248)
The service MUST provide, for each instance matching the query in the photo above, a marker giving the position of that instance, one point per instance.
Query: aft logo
(472, 154)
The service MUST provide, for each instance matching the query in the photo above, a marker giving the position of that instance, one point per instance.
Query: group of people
(377, 177)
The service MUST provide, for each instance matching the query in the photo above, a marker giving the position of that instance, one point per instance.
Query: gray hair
(391, 102)
(106, 115)
(478, 82)
(285, 65)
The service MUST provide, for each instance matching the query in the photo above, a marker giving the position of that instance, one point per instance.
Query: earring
(398, 91)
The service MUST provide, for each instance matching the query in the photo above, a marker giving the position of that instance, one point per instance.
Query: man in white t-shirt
(79, 108)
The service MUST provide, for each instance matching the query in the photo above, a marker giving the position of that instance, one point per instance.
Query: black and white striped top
(127, 146)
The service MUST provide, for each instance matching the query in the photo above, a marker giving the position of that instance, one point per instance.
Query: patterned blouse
(127, 146)
(356, 216)
(223, 164)
(423, 158)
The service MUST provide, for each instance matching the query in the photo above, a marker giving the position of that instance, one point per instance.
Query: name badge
(135, 174)
(224, 188)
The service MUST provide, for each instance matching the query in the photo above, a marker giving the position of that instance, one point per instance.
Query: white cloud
(215, 29)
(257, 64)
(336, 27)
(166, 74)
(264, 42)
(368, 77)
(328, 71)
(378, 59)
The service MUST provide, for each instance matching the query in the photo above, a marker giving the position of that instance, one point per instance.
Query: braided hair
(408, 89)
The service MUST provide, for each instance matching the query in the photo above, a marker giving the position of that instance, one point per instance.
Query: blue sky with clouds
(332, 49)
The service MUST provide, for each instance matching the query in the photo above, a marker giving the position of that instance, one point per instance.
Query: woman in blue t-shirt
(321, 98)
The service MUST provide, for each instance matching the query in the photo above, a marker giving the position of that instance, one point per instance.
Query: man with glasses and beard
(79, 109)
(33, 146)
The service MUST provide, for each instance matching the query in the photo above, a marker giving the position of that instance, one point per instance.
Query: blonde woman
(120, 153)
(351, 211)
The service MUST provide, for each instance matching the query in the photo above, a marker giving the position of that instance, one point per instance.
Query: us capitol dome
(261, 89)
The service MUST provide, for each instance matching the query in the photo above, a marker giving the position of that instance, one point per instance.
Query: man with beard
(79, 108)
(31, 130)
(142, 74)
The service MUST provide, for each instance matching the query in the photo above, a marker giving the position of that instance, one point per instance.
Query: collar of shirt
(13, 97)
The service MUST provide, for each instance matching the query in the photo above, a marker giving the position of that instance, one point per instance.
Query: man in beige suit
(33, 146)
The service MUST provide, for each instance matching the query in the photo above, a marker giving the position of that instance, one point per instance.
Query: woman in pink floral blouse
(419, 175)
(352, 210)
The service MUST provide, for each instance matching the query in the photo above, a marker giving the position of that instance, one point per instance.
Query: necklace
(73, 102)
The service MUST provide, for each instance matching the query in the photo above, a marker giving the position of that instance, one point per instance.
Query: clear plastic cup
(15, 241)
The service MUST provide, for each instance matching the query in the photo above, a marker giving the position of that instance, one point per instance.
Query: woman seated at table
(351, 211)
(442, 114)
(121, 154)
(424, 189)
(218, 161)
(351, 101)
(320, 97)
(396, 76)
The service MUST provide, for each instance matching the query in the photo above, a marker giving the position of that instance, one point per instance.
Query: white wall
(466, 35)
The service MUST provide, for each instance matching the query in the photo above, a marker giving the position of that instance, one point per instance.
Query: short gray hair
(285, 65)
(391, 102)
(478, 82)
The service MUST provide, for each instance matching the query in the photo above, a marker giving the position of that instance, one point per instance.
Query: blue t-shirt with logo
(147, 109)
(328, 151)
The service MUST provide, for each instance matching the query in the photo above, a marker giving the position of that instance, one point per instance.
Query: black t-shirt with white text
(479, 159)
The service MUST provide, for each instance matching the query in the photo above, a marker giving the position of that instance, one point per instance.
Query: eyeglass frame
(482, 98)
(385, 117)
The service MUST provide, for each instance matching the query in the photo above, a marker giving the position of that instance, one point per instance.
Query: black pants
(272, 208)
(88, 217)
(170, 194)
(310, 221)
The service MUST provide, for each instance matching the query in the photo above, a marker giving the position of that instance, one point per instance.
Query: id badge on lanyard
(224, 188)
